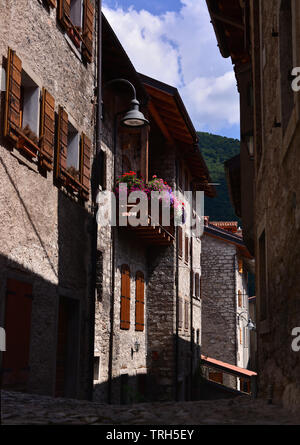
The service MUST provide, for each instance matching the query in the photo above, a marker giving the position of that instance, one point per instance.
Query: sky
(173, 41)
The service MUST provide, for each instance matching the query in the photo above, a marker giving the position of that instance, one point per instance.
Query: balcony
(150, 231)
(151, 234)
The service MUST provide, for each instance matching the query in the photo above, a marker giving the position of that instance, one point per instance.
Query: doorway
(67, 351)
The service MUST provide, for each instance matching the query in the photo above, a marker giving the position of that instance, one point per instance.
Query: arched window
(286, 61)
(139, 301)
(125, 297)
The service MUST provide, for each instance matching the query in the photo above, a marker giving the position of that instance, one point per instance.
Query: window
(27, 125)
(103, 163)
(186, 315)
(180, 317)
(139, 302)
(263, 291)
(125, 298)
(96, 368)
(286, 61)
(72, 157)
(240, 265)
(216, 377)
(30, 107)
(77, 18)
(73, 151)
(186, 249)
(76, 13)
(180, 249)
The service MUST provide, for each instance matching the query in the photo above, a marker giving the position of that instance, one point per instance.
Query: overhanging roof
(227, 367)
(227, 17)
(228, 237)
(167, 109)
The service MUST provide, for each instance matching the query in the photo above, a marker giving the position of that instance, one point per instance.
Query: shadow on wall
(156, 384)
(47, 322)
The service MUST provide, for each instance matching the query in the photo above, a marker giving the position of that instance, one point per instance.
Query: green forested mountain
(216, 150)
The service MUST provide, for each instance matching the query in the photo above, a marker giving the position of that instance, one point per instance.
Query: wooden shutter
(64, 7)
(139, 302)
(240, 264)
(52, 3)
(12, 118)
(17, 323)
(240, 302)
(125, 298)
(180, 313)
(88, 30)
(85, 163)
(47, 129)
(180, 250)
(62, 143)
(186, 249)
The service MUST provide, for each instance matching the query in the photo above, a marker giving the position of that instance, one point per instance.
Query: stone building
(225, 262)
(148, 318)
(46, 146)
(91, 310)
(262, 39)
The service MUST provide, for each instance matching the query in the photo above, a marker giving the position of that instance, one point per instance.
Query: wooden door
(18, 306)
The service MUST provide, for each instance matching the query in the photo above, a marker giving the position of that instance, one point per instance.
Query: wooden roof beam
(160, 122)
(227, 20)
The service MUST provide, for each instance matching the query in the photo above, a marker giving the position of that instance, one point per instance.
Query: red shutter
(52, 3)
(180, 252)
(85, 163)
(12, 118)
(64, 12)
(88, 30)
(15, 365)
(125, 298)
(47, 129)
(62, 143)
(139, 302)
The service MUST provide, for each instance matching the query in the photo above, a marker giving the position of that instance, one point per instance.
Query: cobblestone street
(19, 409)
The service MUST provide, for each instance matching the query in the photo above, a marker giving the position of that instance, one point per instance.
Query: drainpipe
(96, 168)
(191, 317)
(177, 300)
(113, 267)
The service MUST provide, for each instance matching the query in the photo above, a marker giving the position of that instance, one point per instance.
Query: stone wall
(218, 261)
(45, 235)
(277, 207)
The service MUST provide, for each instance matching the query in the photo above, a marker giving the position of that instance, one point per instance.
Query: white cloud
(181, 49)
